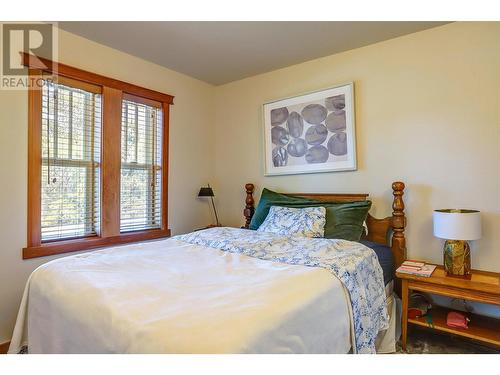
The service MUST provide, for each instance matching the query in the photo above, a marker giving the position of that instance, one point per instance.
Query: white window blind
(141, 164)
(71, 151)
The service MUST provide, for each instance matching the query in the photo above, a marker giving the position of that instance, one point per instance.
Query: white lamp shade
(455, 224)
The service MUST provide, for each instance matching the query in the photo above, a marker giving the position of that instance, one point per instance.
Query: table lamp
(208, 192)
(457, 226)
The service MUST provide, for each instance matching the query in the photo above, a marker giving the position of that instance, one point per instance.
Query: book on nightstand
(416, 268)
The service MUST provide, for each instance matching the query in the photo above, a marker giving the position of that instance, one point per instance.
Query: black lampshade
(206, 192)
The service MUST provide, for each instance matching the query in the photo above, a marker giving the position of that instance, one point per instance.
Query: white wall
(191, 156)
(427, 113)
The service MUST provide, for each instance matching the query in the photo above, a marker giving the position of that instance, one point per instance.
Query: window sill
(61, 247)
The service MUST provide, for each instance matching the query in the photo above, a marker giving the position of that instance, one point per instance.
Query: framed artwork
(311, 133)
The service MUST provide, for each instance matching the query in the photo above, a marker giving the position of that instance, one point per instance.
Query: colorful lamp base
(457, 258)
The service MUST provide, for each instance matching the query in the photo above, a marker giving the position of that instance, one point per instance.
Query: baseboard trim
(4, 348)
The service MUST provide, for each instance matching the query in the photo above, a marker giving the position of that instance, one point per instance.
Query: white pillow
(287, 221)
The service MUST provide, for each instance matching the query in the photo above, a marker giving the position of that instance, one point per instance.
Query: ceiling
(221, 52)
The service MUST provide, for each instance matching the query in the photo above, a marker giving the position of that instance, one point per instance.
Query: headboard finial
(398, 186)
(398, 223)
(398, 206)
(249, 205)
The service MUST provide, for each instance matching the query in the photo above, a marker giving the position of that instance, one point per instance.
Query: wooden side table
(482, 287)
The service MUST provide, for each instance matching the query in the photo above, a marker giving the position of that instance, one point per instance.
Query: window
(140, 195)
(71, 134)
(97, 161)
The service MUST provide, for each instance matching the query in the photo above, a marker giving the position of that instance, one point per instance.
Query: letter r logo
(33, 38)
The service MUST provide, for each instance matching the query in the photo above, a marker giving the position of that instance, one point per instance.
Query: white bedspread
(354, 264)
(172, 297)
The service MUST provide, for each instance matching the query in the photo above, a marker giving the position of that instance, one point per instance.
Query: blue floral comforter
(354, 264)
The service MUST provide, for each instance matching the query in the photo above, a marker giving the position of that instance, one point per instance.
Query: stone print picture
(311, 133)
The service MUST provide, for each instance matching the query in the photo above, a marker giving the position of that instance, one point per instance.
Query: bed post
(249, 202)
(398, 224)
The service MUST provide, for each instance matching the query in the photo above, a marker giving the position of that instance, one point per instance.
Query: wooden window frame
(112, 93)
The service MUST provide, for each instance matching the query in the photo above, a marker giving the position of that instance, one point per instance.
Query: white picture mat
(347, 165)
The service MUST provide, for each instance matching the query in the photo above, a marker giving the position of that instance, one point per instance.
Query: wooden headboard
(388, 231)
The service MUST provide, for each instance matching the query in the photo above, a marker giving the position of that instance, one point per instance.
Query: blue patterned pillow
(287, 221)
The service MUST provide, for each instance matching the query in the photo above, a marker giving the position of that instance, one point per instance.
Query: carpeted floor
(423, 341)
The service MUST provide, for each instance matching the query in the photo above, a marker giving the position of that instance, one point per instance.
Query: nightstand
(482, 287)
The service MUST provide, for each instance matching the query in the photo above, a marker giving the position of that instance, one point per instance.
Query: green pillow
(344, 220)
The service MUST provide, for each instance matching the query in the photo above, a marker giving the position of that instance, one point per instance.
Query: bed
(221, 290)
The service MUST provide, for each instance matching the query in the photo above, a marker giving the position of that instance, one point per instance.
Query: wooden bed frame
(389, 231)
